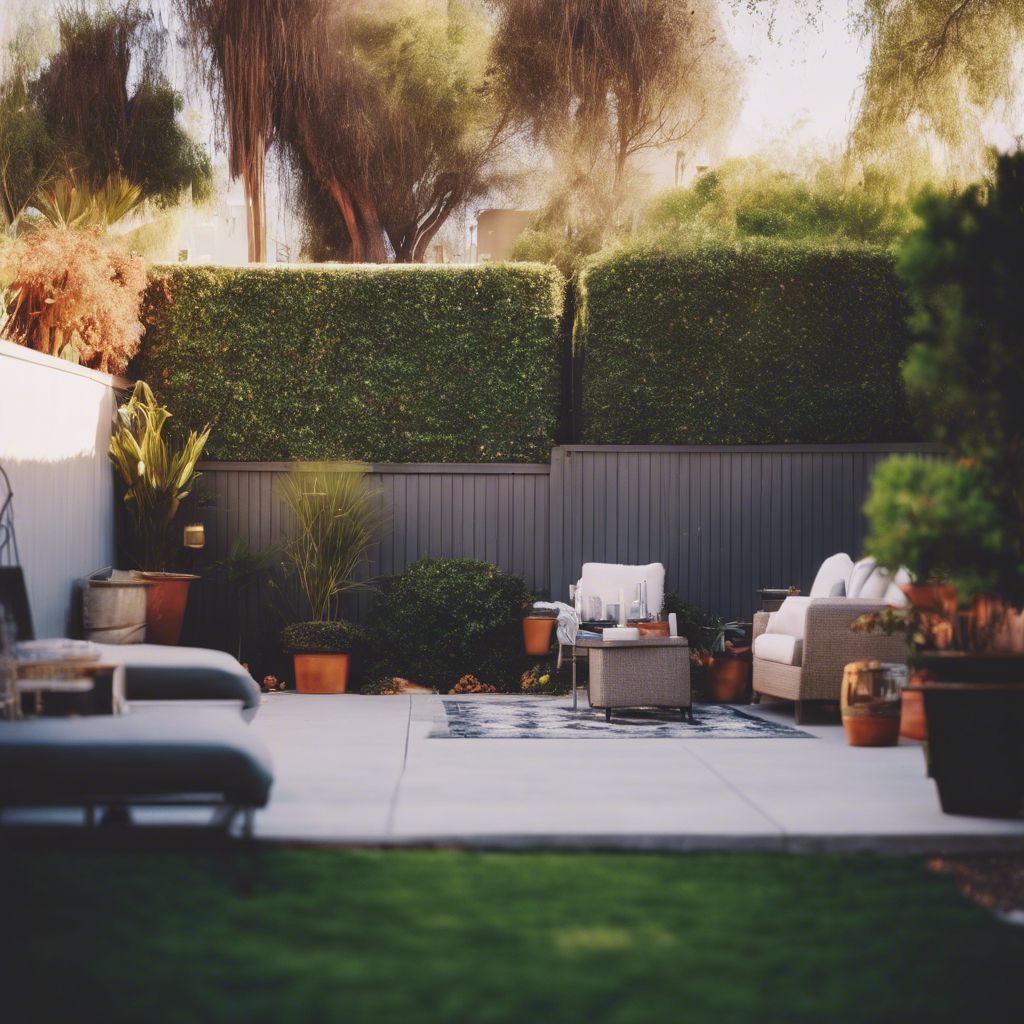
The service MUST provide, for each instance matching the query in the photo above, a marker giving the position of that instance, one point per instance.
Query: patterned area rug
(547, 718)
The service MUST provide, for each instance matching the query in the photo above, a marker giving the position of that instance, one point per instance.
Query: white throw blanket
(568, 620)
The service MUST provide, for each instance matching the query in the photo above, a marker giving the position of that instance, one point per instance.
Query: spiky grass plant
(337, 515)
(157, 478)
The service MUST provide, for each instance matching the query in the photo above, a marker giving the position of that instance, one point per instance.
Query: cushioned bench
(171, 756)
(155, 672)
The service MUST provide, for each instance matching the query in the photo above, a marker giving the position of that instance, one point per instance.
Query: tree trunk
(373, 235)
(253, 184)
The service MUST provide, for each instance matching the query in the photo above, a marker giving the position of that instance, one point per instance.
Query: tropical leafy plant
(337, 515)
(156, 477)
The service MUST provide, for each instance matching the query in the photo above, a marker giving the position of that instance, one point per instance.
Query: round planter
(166, 598)
(321, 673)
(537, 634)
(727, 679)
(114, 611)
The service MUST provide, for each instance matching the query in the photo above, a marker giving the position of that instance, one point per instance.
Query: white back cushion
(791, 618)
(604, 580)
(831, 572)
(868, 581)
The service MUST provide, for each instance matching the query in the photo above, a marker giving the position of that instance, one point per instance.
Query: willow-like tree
(109, 108)
(390, 123)
(239, 48)
(610, 79)
(939, 73)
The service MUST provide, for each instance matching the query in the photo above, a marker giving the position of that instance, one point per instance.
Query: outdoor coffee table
(649, 673)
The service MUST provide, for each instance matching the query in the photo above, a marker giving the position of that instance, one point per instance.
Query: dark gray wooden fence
(724, 521)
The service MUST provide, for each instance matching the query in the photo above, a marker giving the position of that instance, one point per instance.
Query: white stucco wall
(55, 425)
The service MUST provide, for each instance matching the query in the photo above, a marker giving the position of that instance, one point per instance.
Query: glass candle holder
(871, 703)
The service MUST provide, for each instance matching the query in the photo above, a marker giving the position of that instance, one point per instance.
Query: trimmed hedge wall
(764, 343)
(383, 364)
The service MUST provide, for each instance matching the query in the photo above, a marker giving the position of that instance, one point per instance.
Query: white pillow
(791, 618)
(867, 580)
(831, 572)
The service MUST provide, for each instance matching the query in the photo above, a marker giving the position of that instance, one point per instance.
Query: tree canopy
(107, 104)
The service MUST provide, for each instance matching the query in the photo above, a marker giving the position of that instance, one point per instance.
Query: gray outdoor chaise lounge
(170, 757)
(153, 671)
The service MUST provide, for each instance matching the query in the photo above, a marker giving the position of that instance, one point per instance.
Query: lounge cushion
(157, 672)
(832, 570)
(212, 751)
(790, 619)
(777, 647)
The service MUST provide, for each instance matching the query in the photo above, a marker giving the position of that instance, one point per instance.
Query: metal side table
(649, 673)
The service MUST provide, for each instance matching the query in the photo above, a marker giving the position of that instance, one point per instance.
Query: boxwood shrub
(759, 343)
(444, 618)
(384, 364)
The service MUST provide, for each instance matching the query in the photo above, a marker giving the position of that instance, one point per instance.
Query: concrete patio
(361, 770)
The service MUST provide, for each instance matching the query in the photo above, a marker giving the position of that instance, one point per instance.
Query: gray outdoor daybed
(195, 757)
(155, 672)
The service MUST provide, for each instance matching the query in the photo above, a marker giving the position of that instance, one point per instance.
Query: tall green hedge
(761, 343)
(388, 364)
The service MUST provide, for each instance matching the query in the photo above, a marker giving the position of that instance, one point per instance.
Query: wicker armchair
(827, 647)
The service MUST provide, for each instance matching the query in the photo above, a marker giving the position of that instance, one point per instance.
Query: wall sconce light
(195, 535)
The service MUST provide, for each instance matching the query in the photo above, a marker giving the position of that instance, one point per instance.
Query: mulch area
(996, 882)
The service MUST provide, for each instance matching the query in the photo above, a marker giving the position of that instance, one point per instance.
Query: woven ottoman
(650, 673)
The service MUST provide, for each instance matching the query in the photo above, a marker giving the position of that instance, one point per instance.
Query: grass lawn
(295, 935)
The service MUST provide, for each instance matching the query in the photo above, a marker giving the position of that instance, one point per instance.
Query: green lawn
(422, 936)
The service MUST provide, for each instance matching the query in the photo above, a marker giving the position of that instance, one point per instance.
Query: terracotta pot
(727, 679)
(940, 599)
(166, 598)
(321, 673)
(913, 725)
(653, 628)
(537, 634)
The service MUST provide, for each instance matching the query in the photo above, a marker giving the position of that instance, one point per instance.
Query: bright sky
(806, 77)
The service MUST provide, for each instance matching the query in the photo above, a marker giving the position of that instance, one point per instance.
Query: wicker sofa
(800, 651)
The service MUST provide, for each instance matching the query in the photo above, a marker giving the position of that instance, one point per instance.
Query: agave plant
(157, 478)
(337, 516)
(67, 203)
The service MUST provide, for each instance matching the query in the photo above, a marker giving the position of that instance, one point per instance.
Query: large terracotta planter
(537, 634)
(166, 598)
(321, 673)
(913, 724)
(727, 679)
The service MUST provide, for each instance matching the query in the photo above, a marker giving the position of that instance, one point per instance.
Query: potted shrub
(958, 525)
(322, 653)
(336, 515)
(730, 668)
(157, 478)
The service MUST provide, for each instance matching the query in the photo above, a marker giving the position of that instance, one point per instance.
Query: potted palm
(157, 478)
(730, 669)
(958, 525)
(336, 515)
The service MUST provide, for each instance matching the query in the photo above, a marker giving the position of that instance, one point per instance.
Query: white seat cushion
(790, 619)
(777, 647)
(832, 570)
(605, 580)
